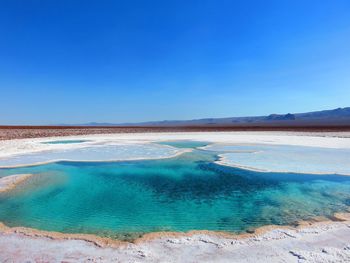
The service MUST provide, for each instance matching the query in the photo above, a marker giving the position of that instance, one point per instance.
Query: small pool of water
(189, 192)
(184, 144)
(65, 141)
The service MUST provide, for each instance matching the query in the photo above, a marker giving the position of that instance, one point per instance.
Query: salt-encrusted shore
(326, 241)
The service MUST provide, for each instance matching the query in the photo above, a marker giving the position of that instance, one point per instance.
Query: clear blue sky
(127, 61)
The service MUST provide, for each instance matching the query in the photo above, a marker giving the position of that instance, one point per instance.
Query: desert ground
(318, 240)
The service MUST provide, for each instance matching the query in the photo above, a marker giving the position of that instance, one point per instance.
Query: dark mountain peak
(339, 116)
(335, 113)
(281, 117)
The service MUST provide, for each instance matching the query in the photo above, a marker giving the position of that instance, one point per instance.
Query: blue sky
(128, 61)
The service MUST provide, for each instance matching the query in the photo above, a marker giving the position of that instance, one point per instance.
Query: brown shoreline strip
(114, 243)
(21, 132)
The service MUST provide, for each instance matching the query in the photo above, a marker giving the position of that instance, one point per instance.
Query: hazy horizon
(182, 120)
(64, 62)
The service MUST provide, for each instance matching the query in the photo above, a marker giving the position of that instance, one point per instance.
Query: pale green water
(65, 141)
(184, 144)
(126, 199)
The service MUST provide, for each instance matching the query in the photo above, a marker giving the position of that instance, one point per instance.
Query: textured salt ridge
(311, 241)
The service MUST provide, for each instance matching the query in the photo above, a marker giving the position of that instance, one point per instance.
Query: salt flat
(96, 152)
(322, 242)
(284, 158)
(330, 156)
(319, 242)
(313, 139)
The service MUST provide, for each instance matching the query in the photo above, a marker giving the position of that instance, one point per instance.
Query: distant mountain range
(340, 116)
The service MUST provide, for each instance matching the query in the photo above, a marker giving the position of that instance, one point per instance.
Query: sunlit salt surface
(65, 141)
(94, 153)
(189, 192)
(280, 158)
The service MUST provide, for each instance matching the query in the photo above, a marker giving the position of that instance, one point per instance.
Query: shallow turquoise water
(126, 199)
(184, 144)
(65, 141)
(93, 153)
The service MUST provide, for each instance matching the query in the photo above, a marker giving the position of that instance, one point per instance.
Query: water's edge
(110, 242)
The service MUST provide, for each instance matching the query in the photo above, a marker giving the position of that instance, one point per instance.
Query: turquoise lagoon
(189, 192)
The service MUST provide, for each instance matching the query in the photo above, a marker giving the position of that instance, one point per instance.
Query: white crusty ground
(321, 139)
(323, 242)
